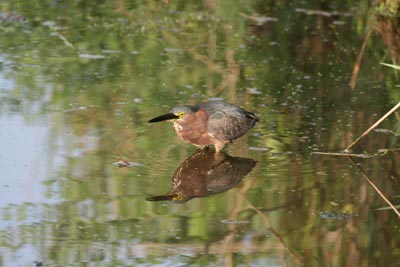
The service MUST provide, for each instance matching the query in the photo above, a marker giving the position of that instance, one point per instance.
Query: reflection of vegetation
(100, 70)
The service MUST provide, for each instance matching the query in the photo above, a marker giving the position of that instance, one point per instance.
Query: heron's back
(226, 121)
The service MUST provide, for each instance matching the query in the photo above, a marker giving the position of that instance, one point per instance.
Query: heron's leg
(219, 146)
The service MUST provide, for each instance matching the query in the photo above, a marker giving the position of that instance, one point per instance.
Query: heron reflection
(206, 173)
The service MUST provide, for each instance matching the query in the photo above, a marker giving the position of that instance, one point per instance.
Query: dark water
(79, 80)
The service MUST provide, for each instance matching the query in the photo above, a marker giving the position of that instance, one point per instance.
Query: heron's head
(176, 113)
(173, 197)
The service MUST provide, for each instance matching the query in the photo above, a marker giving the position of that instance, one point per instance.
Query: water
(78, 83)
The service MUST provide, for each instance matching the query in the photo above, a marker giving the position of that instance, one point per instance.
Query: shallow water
(79, 81)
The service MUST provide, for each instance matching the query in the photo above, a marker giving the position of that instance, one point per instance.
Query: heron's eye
(177, 198)
(180, 114)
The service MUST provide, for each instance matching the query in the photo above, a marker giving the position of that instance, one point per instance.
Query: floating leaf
(335, 215)
(122, 163)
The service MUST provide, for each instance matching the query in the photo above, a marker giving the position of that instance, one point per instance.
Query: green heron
(210, 123)
(206, 173)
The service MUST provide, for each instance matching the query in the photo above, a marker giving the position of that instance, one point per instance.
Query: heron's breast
(193, 129)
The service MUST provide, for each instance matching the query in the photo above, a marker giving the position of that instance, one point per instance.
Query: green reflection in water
(93, 73)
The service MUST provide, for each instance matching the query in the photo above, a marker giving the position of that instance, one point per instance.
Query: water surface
(79, 81)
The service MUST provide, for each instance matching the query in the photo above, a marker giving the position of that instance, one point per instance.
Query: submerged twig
(52, 26)
(344, 154)
(379, 153)
(268, 226)
(373, 127)
(375, 187)
(356, 67)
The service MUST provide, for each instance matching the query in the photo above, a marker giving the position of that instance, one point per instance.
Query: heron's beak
(165, 117)
(167, 196)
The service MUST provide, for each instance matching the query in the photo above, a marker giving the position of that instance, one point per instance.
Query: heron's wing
(229, 125)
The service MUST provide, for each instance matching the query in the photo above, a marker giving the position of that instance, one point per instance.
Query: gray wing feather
(230, 123)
